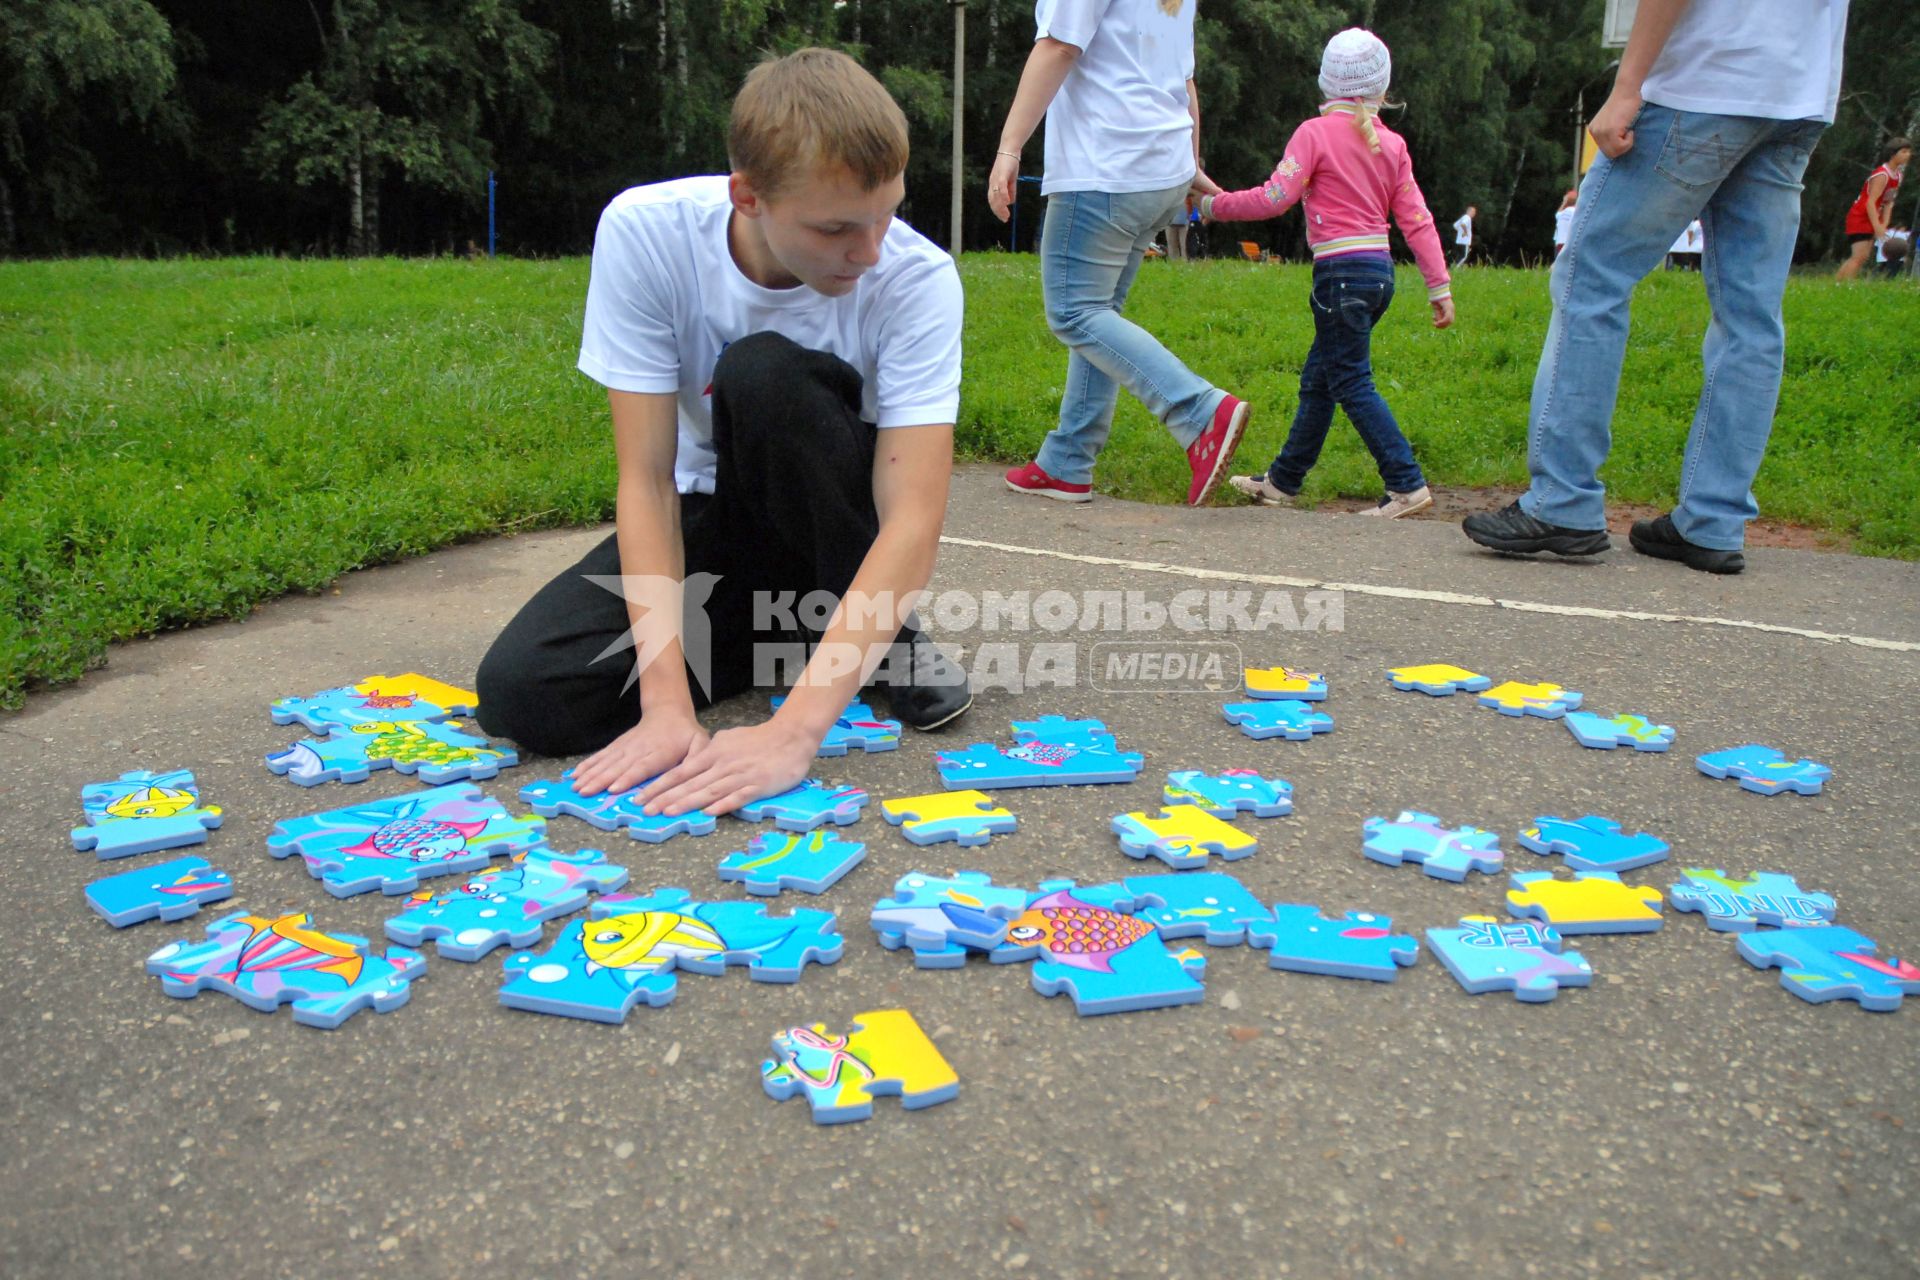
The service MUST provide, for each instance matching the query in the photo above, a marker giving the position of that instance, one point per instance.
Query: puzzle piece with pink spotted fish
(1181, 835)
(267, 961)
(390, 844)
(1438, 679)
(1831, 962)
(1520, 956)
(1294, 721)
(437, 752)
(1515, 698)
(171, 890)
(885, 1055)
(857, 726)
(1442, 853)
(143, 812)
(504, 905)
(1229, 792)
(411, 698)
(1285, 683)
(613, 810)
(1085, 942)
(1765, 770)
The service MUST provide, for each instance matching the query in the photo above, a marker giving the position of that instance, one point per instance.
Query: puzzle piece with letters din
(1088, 735)
(1593, 843)
(857, 726)
(1294, 721)
(613, 810)
(1443, 854)
(390, 844)
(967, 818)
(1737, 905)
(942, 918)
(504, 905)
(1183, 835)
(1085, 943)
(1357, 944)
(628, 949)
(1520, 956)
(1034, 764)
(1230, 791)
(406, 698)
(143, 812)
(437, 752)
(1205, 904)
(171, 890)
(266, 961)
(1591, 902)
(809, 861)
(1830, 962)
(1765, 770)
(885, 1055)
(1546, 700)
(1286, 683)
(1604, 733)
(811, 804)
(1439, 679)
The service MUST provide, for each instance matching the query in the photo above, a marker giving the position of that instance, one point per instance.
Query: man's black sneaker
(925, 687)
(1658, 537)
(1512, 529)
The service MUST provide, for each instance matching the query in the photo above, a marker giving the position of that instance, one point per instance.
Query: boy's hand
(1612, 124)
(731, 768)
(660, 741)
(1442, 312)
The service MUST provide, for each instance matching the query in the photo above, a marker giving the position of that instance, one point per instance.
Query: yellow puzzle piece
(1182, 836)
(886, 1054)
(1285, 682)
(438, 692)
(1515, 698)
(965, 817)
(1592, 902)
(1437, 678)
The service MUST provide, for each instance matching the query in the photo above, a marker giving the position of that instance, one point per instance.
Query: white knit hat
(1355, 65)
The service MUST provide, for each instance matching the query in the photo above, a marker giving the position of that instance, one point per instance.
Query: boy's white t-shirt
(1776, 59)
(666, 298)
(1563, 224)
(1120, 121)
(1692, 240)
(1463, 230)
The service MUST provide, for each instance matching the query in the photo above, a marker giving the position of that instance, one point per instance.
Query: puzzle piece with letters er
(810, 861)
(1357, 944)
(1591, 902)
(390, 844)
(886, 1054)
(1604, 733)
(266, 961)
(1230, 791)
(967, 818)
(1035, 764)
(1182, 835)
(811, 804)
(1437, 678)
(942, 918)
(1084, 942)
(1285, 682)
(1443, 854)
(1765, 770)
(437, 752)
(171, 890)
(1204, 904)
(505, 905)
(143, 812)
(613, 810)
(1547, 700)
(1294, 721)
(857, 726)
(1593, 843)
(1736, 905)
(1520, 956)
(1830, 962)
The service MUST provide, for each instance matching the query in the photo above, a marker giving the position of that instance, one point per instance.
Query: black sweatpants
(792, 511)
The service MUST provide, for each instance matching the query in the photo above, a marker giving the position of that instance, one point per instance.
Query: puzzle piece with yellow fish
(143, 812)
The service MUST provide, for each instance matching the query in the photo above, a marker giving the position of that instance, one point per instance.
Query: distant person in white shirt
(1895, 252)
(1563, 221)
(1686, 251)
(1463, 234)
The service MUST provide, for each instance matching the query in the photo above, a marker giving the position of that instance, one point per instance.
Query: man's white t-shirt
(1120, 121)
(1463, 230)
(666, 298)
(1776, 59)
(1563, 224)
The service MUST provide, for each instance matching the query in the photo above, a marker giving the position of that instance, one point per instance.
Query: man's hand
(1442, 312)
(660, 741)
(731, 768)
(1612, 124)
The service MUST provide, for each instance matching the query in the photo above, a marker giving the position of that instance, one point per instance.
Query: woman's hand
(1001, 183)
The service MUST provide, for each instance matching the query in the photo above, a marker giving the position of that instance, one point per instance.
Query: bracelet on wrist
(1011, 155)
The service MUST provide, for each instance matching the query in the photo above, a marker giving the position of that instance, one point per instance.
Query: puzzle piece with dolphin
(942, 918)
(613, 810)
(885, 1055)
(143, 812)
(1593, 843)
(1739, 904)
(967, 818)
(809, 861)
(171, 890)
(390, 844)
(505, 905)
(436, 752)
(267, 961)
(1229, 792)
(1765, 770)
(1084, 942)
(1294, 721)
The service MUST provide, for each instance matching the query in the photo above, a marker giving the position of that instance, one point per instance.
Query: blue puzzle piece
(505, 905)
(613, 810)
(811, 804)
(810, 861)
(170, 890)
(348, 706)
(265, 962)
(1419, 837)
(1604, 733)
(1765, 770)
(1206, 904)
(1593, 843)
(438, 753)
(143, 812)
(1515, 955)
(1230, 791)
(1358, 944)
(1088, 735)
(1830, 962)
(1035, 764)
(390, 844)
(1736, 905)
(942, 918)
(1084, 942)
(857, 726)
(628, 951)
(1294, 721)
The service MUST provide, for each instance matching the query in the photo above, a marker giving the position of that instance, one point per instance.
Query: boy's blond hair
(812, 109)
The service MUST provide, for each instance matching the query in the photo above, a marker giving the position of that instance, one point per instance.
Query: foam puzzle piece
(1181, 835)
(942, 918)
(1831, 962)
(410, 698)
(143, 812)
(1591, 902)
(1738, 904)
(613, 810)
(628, 950)
(1358, 944)
(1593, 843)
(1765, 770)
(857, 726)
(885, 1055)
(1034, 764)
(810, 861)
(390, 844)
(462, 702)
(505, 905)
(1604, 733)
(1546, 700)
(1203, 904)
(1442, 853)
(1083, 942)
(967, 818)
(811, 804)
(1089, 735)
(1440, 679)
(267, 961)
(436, 752)
(1520, 956)
(1285, 682)
(171, 890)
(1294, 721)
(1229, 792)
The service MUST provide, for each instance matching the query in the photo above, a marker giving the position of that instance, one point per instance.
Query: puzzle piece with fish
(505, 905)
(613, 810)
(267, 961)
(811, 804)
(885, 1055)
(1443, 854)
(1738, 904)
(1204, 904)
(1035, 764)
(1181, 835)
(857, 726)
(437, 752)
(143, 812)
(1831, 962)
(390, 844)
(410, 698)
(629, 948)
(1604, 733)
(1089, 735)
(1520, 956)
(1294, 721)
(1593, 843)
(1765, 770)
(1285, 682)
(171, 890)
(1084, 942)
(1358, 944)
(942, 918)
(1591, 902)
(967, 818)
(1515, 698)
(1439, 679)
(810, 861)
(1229, 792)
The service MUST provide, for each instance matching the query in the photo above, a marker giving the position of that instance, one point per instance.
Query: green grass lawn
(185, 439)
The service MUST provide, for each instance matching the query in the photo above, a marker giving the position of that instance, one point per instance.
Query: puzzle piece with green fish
(1035, 764)
(1085, 942)
(1591, 902)
(857, 726)
(811, 804)
(1229, 792)
(437, 752)
(505, 905)
(1830, 962)
(411, 698)
(613, 810)
(1739, 904)
(1294, 721)
(1593, 843)
(1204, 904)
(1604, 733)
(1089, 735)
(171, 890)
(143, 812)
(1285, 683)
(1438, 679)
(810, 861)
(1441, 853)
(1765, 770)
(1520, 956)
(942, 918)
(267, 961)
(967, 818)
(390, 844)
(885, 1055)
(1358, 944)
(1182, 835)
(1546, 700)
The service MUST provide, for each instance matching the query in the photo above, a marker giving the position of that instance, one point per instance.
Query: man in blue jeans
(1716, 108)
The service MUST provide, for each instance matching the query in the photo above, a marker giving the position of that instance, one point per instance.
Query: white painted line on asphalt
(1440, 597)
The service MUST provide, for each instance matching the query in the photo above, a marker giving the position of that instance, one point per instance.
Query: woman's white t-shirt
(666, 298)
(1120, 122)
(1776, 59)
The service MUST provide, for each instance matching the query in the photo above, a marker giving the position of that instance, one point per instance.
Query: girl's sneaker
(1262, 490)
(1395, 505)
(1031, 479)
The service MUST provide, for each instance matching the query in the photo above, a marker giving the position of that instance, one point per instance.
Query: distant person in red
(1872, 210)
